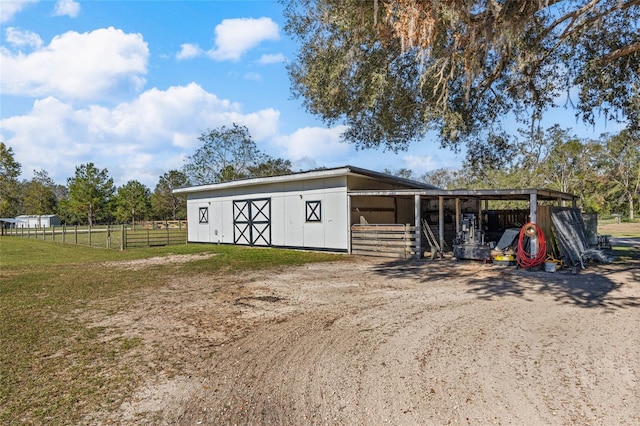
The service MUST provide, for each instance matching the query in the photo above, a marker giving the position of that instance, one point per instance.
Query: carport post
(349, 224)
(479, 204)
(457, 216)
(441, 221)
(418, 232)
(533, 217)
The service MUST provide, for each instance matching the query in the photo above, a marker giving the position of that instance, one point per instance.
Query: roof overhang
(310, 175)
(10, 220)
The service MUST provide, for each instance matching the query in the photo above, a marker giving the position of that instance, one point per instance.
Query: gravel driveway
(371, 342)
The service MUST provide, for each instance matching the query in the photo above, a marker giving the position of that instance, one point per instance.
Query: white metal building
(311, 210)
(37, 221)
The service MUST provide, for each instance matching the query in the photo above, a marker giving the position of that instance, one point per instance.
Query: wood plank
(380, 248)
(379, 237)
(379, 254)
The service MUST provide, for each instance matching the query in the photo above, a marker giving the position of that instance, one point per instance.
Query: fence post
(89, 235)
(53, 232)
(108, 236)
(168, 235)
(64, 230)
(148, 242)
(76, 233)
(407, 241)
(123, 244)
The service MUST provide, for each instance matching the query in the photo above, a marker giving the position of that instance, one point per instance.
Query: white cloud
(101, 64)
(69, 8)
(262, 125)
(189, 51)
(319, 143)
(420, 164)
(10, 8)
(253, 76)
(236, 36)
(272, 59)
(141, 139)
(19, 39)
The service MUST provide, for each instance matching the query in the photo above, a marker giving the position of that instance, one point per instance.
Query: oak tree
(229, 153)
(166, 204)
(392, 70)
(39, 194)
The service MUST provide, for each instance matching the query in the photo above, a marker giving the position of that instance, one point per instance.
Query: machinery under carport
(460, 220)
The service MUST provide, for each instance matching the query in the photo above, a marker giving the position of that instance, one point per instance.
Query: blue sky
(130, 85)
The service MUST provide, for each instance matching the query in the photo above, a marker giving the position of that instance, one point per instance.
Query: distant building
(37, 221)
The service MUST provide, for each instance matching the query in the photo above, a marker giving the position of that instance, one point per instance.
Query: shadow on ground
(597, 286)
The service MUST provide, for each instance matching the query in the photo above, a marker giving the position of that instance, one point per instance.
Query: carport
(471, 201)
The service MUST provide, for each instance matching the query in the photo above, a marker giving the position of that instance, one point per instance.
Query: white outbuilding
(309, 210)
(359, 211)
(37, 221)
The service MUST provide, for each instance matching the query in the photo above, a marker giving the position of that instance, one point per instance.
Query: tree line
(90, 196)
(604, 173)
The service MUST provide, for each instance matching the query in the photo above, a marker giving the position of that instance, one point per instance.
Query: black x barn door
(252, 222)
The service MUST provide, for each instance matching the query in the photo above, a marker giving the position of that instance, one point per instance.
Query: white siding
(33, 221)
(289, 227)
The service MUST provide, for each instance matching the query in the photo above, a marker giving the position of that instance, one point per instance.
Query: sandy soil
(369, 341)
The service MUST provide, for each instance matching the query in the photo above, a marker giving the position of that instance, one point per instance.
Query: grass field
(625, 229)
(622, 230)
(54, 367)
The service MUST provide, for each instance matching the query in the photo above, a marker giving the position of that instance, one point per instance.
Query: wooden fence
(118, 237)
(155, 237)
(162, 224)
(392, 240)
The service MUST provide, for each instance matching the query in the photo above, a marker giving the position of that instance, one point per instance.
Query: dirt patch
(371, 342)
(138, 264)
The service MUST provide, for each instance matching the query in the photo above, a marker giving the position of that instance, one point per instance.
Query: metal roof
(310, 175)
(481, 194)
(412, 187)
(10, 220)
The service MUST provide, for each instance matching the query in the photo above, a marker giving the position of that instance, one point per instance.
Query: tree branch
(624, 51)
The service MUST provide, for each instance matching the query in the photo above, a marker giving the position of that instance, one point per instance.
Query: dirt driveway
(372, 342)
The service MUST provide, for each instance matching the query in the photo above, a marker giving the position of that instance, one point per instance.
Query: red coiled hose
(525, 259)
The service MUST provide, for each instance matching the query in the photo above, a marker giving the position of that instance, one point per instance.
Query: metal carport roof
(480, 194)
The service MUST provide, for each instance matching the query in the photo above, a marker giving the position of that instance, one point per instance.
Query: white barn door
(252, 222)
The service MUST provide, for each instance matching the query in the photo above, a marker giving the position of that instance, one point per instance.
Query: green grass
(625, 229)
(55, 367)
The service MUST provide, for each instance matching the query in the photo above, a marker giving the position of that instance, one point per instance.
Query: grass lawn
(622, 230)
(55, 367)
